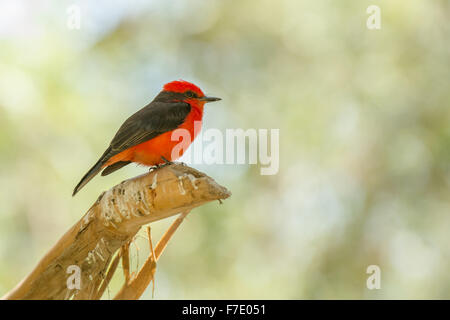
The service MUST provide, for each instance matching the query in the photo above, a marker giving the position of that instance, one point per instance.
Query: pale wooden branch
(112, 222)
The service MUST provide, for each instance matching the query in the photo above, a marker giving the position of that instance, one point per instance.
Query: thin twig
(126, 261)
(108, 277)
(152, 257)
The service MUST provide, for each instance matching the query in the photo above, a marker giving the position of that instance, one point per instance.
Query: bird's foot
(162, 165)
(166, 163)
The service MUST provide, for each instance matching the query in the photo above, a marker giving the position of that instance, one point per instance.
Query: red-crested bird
(146, 136)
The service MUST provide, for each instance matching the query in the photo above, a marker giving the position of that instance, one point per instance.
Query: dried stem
(126, 261)
(109, 275)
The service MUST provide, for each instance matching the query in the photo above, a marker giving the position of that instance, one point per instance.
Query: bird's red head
(189, 91)
(182, 86)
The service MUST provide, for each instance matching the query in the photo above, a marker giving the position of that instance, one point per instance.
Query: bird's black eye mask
(190, 94)
(170, 96)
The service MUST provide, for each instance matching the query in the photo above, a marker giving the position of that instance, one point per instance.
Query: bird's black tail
(93, 171)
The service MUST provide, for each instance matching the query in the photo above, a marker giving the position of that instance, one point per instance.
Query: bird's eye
(191, 94)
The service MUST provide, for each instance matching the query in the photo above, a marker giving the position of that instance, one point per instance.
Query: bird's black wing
(148, 123)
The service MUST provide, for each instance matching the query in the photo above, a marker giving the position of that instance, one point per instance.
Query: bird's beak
(209, 99)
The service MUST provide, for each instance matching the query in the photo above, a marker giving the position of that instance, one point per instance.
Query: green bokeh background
(364, 121)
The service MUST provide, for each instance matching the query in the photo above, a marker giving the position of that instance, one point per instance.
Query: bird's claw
(161, 165)
(166, 163)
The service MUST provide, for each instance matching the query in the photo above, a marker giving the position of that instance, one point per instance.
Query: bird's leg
(162, 165)
(166, 163)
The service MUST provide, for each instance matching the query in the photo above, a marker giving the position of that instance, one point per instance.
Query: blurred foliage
(364, 138)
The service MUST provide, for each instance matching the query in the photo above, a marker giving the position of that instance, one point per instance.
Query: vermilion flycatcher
(145, 137)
